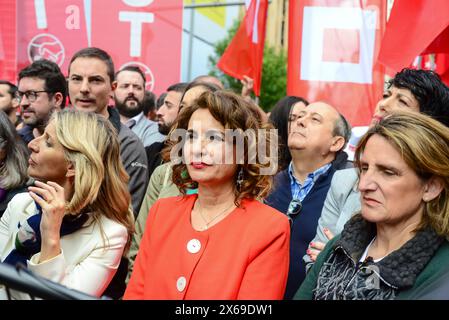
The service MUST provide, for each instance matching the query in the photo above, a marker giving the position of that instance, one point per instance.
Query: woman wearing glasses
(397, 245)
(13, 162)
(74, 224)
(220, 243)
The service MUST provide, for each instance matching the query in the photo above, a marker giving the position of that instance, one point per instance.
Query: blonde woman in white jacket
(74, 225)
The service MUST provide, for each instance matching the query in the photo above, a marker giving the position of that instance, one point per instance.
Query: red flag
(332, 50)
(244, 55)
(426, 24)
(442, 66)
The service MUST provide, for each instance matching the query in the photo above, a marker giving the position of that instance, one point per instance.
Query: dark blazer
(154, 158)
(304, 224)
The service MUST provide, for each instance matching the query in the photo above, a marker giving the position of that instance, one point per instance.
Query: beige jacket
(160, 186)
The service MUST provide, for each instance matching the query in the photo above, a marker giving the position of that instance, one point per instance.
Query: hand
(316, 247)
(51, 197)
(248, 85)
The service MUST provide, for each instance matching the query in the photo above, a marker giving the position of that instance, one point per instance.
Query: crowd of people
(198, 193)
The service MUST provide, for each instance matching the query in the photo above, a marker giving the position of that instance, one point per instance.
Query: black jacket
(305, 223)
(343, 277)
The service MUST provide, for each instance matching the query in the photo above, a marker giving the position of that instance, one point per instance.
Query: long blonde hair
(91, 144)
(424, 145)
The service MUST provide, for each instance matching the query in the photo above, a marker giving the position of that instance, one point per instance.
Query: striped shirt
(300, 191)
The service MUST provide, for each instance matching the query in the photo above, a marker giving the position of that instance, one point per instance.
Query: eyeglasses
(294, 208)
(30, 95)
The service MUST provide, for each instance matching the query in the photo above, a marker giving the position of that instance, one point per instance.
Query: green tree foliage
(274, 71)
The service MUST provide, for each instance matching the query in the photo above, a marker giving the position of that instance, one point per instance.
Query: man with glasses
(41, 90)
(317, 136)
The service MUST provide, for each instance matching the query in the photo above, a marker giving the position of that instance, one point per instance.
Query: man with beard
(129, 96)
(41, 90)
(8, 102)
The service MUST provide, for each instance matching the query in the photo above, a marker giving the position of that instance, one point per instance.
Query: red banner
(50, 29)
(8, 63)
(333, 48)
(146, 33)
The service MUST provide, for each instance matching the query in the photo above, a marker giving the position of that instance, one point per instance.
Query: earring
(240, 179)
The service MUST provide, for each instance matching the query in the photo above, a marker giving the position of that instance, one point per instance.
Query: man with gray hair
(317, 137)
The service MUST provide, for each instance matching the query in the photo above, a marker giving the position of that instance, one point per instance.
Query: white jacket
(86, 263)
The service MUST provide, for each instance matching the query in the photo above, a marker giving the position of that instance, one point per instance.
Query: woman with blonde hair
(220, 243)
(74, 224)
(397, 246)
(13, 162)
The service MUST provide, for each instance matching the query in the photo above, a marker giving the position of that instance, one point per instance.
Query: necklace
(214, 218)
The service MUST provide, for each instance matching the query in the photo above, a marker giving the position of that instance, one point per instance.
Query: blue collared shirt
(300, 191)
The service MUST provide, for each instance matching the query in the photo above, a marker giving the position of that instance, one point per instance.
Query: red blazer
(244, 256)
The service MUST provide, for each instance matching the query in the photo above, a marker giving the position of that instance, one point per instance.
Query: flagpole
(216, 4)
(192, 22)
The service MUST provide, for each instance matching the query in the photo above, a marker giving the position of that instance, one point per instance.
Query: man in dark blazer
(317, 136)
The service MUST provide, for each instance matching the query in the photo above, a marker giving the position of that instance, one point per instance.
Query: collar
(311, 176)
(114, 118)
(400, 268)
(138, 117)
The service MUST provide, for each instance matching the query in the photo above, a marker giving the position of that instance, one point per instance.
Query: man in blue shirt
(317, 136)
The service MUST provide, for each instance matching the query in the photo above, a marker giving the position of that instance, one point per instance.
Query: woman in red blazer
(221, 243)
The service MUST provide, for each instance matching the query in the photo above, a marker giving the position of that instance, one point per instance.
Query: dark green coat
(421, 284)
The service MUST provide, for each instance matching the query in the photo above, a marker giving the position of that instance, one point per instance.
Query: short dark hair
(178, 87)
(149, 102)
(342, 128)
(132, 69)
(92, 52)
(206, 85)
(160, 100)
(49, 72)
(12, 87)
(426, 86)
